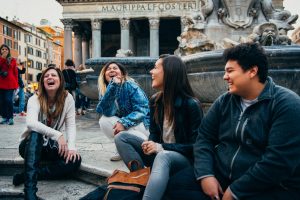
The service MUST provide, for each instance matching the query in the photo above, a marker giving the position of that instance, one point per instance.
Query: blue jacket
(254, 150)
(127, 101)
(188, 116)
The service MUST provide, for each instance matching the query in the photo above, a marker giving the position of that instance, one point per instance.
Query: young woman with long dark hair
(175, 115)
(49, 112)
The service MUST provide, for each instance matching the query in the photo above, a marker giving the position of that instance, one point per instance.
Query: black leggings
(57, 167)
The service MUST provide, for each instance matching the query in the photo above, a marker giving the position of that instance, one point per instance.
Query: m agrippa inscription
(155, 6)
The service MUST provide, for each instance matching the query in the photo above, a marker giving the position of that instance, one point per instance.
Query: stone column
(125, 22)
(68, 25)
(85, 48)
(96, 37)
(154, 37)
(77, 46)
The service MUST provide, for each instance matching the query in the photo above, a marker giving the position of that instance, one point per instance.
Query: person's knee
(121, 138)
(73, 166)
(163, 157)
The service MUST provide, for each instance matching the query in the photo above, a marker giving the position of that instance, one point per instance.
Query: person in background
(248, 145)
(123, 105)
(8, 83)
(82, 102)
(48, 114)
(70, 77)
(21, 70)
(175, 115)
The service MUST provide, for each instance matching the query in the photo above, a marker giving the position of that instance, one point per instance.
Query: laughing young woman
(48, 113)
(175, 115)
(123, 104)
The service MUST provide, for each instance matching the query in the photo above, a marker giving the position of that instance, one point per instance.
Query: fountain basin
(205, 71)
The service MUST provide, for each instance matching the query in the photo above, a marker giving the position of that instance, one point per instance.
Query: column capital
(68, 23)
(154, 23)
(96, 24)
(124, 22)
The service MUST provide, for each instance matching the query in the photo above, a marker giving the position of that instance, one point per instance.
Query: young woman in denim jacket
(123, 105)
(175, 115)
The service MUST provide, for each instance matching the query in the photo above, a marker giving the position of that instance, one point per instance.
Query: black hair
(249, 55)
(69, 63)
(175, 84)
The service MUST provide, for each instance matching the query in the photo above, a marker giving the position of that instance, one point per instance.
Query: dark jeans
(184, 184)
(57, 167)
(7, 103)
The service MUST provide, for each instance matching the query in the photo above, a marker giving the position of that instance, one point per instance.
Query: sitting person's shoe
(10, 121)
(18, 179)
(4, 121)
(116, 157)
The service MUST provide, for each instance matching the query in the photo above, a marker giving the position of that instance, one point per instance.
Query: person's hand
(72, 156)
(62, 147)
(118, 127)
(117, 79)
(227, 195)
(211, 187)
(149, 147)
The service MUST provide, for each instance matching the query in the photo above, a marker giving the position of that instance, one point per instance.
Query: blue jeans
(184, 184)
(164, 164)
(6, 103)
(21, 100)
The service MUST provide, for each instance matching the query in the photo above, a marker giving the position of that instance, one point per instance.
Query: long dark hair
(60, 97)
(175, 84)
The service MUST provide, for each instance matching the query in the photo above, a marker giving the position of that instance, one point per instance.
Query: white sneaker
(116, 157)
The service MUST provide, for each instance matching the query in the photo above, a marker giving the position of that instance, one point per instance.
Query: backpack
(70, 81)
(122, 185)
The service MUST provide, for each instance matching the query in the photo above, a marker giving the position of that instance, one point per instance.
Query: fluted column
(68, 25)
(154, 37)
(85, 48)
(77, 46)
(96, 37)
(125, 22)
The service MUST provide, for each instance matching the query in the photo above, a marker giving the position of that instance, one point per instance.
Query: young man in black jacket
(248, 145)
(70, 77)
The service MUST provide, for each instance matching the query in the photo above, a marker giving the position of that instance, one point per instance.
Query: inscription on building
(140, 7)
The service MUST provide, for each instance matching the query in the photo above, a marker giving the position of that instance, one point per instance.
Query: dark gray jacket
(256, 150)
(188, 116)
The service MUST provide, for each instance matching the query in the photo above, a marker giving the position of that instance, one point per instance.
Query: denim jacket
(254, 150)
(127, 101)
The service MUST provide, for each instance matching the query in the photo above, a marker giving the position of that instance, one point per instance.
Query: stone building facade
(147, 27)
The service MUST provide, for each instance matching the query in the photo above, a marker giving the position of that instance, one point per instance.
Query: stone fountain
(212, 28)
